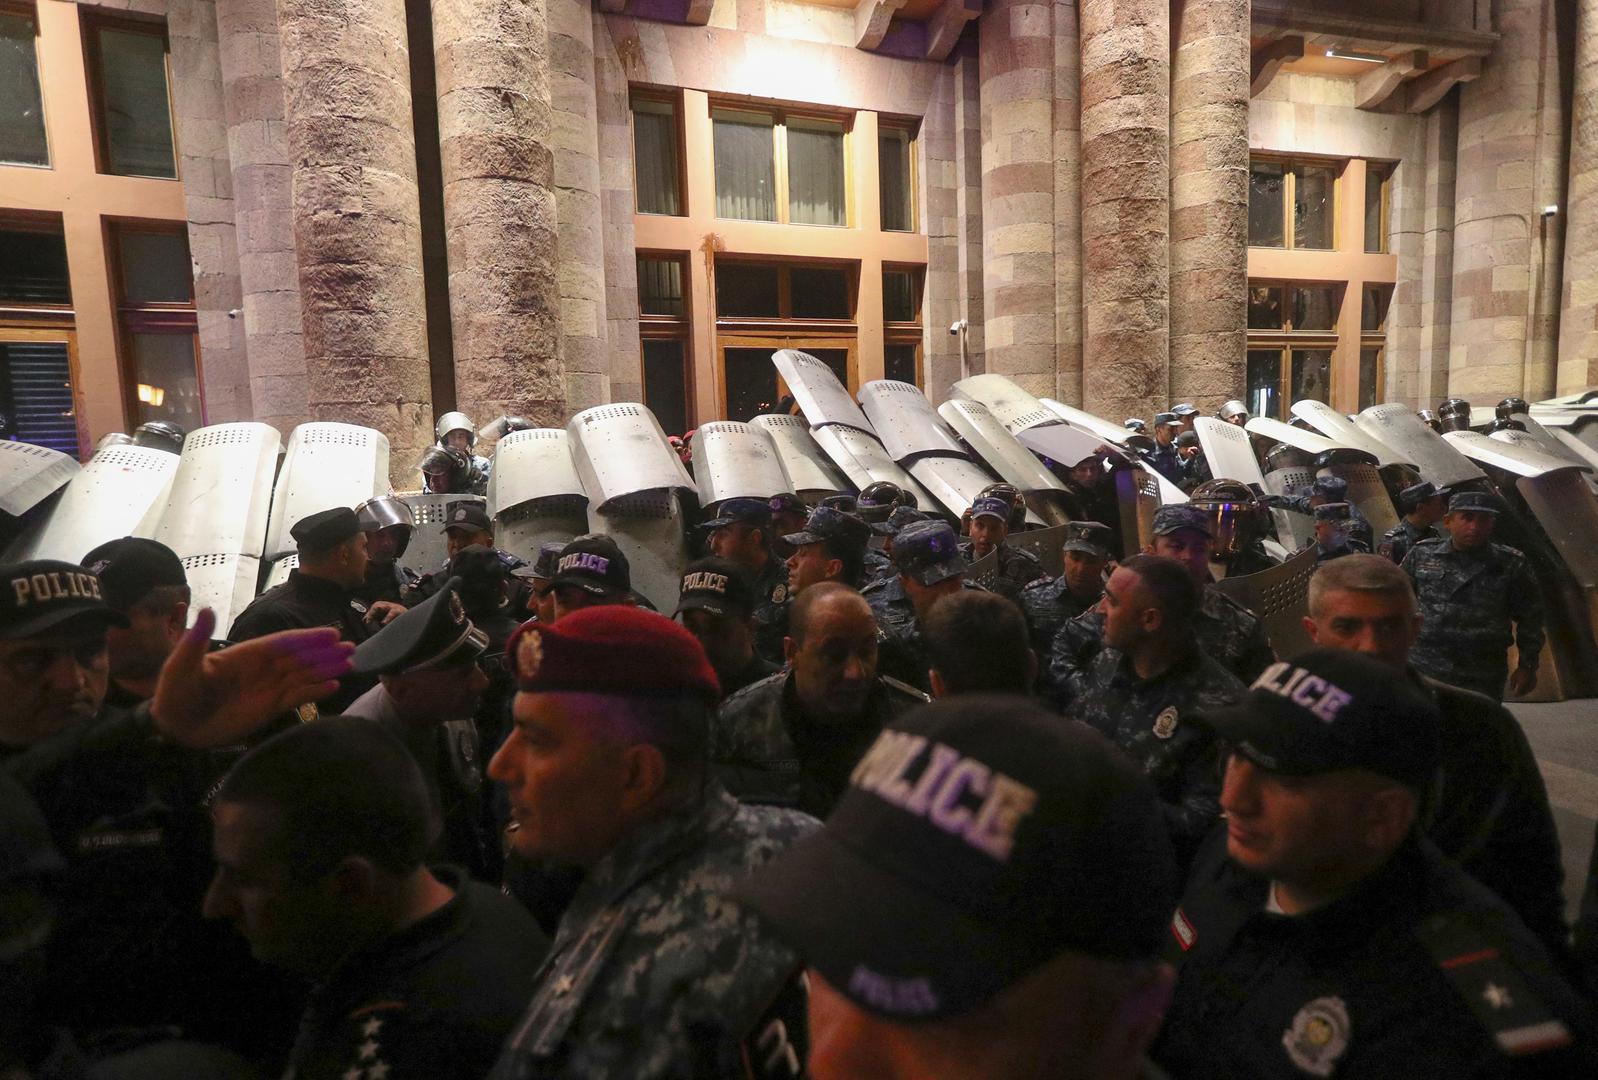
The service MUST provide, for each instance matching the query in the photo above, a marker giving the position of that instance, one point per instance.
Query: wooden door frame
(13, 331)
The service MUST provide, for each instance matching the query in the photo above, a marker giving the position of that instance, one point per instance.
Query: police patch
(1318, 1035)
(529, 654)
(779, 594)
(1165, 723)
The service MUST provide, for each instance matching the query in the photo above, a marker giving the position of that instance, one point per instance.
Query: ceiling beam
(697, 12)
(1269, 58)
(947, 24)
(1380, 83)
(1366, 33)
(871, 19)
(1424, 91)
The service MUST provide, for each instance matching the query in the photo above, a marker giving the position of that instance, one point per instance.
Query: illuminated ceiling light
(1364, 58)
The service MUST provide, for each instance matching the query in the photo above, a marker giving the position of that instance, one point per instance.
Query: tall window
(901, 324)
(1292, 332)
(1372, 342)
(22, 138)
(663, 323)
(37, 342)
(1378, 184)
(160, 331)
(1291, 204)
(773, 167)
(132, 103)
(765, 306)
(896, 177)
(657, 164)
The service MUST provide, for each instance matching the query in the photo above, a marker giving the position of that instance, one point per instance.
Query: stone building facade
(391, 208)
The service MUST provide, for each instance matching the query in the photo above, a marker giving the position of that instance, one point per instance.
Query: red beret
(612, 649)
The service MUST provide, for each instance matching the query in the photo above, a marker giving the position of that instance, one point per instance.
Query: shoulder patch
(1494, 989)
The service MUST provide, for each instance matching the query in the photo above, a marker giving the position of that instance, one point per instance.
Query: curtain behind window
(746, 183)
(815, 173)
(655, 157)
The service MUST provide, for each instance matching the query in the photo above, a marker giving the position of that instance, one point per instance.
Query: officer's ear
(1311, 628)
(177, 620)
(354, 881)
(644, 775)
(789, 648)
(834, 569)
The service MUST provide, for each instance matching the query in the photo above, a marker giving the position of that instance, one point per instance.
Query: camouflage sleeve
(1257, 653)
(1191, 819)
(1075, 645)
(1526, 608)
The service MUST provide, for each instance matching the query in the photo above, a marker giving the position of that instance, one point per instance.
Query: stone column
(357, 226)
(1067, 203)
(1126, 90)
(614, 114)
(1578, 319)
(492, 64)
(1209, 200)
(1016, 63)
(258, 149)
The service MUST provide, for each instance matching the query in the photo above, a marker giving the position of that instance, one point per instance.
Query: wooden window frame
(796, 339)
(672, 98)
(779, 118)
(18, 330)
(1290, 197)
(1385, 170)
(670, 328)
(37, 315)
(903, 332)
(1286, 339)
(90, 23)
(912, 130)
(30, 12)
(148, 317)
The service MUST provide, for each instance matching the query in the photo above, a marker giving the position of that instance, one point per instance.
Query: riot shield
(29, 474)
(954, 482)
(1138, 496)
(1062, 442)
(1340, 429)
(528, 526)
(621, 454)
(984, 571)
(326, 465)
(279, 572)
(1047, 544)
(1010, 405)
(1537, 435)
(808, 468)
(905, 421)
(532, 465)
(1523, 458)
(1567, 510)
(1398, 426)
(108, 498)
(1228, 450)
(1276, 431)
(1115, 434)
(1295, 529)
(736, 460)
(1587, 455)
(1280, 597)
(428, 550)
(863, 461)
(653, 537)
(823, 399)
(1366, 491)
(992, 442)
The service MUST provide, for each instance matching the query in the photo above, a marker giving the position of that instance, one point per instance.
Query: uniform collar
(311, 583)
(1386, 898)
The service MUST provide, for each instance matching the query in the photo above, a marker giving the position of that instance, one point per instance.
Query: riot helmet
(452, 422)
(1454, 413)
(386, 512)
(879, 499)
(1430, 419)
(115, 438)
(1510, 406)
(1236, 519)
(159, 435)
(505, 425)
(1286, 456)
(1011, 494)
(1234, 412)
(445, 470)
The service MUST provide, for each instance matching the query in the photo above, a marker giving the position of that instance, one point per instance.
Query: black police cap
(719, 586)
(434, 634)
(131, 566)
(467, 514)
(325, 530)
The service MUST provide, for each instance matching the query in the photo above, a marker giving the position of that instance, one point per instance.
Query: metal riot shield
(1228, 450)
(651, 533)
(1541, 436)
(327, 465)
(1047, 544)
(29, 474)
(1295, 529)
(823, 399)
(1398, 426)
(736, 460)
(1010, 405)
(1137, 493)
(1523, 458)
(1340, 429)
(905, 421)
(532, 465)
(622, 454)
(429, 548)
(528, 526)
(1114, 434)
(984, 571)
(954, 482)
(992, 442)
(108, 498)
(1280, 597)
(809, 470)
(863, 460)
(1276, 431)
(279, 572)
(1366, 491)
(1584, 453)
(1061, 442)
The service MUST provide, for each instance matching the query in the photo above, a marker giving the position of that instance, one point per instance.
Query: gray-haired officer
(429, 687)
(1334, 527)
(990, 531)
(1049, 604)
(742, 531)
(927, 557)
(1321, 934)
(1476, 598)
(1424, 505)
(831, 546)
(716, 603)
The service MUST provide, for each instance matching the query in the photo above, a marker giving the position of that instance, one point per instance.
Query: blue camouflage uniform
(1048, 605)
(1397, 541)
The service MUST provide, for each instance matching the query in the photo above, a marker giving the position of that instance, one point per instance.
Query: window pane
(1265, 382)
(1314, 307)
(893, 179)
(135, 116)
(815, 173)
(33, 267)
(746, 290)
(899, 363)
(22, 139)
(655, 157)
(167, 385)
(36, 395)
(819, 292)
(665, 389)
(746, 182)
(751, 383)
(1373, 307)
(155, 268)
(1266, 190)
(1375, 186)
(901, 296)
(659, 287)
(1265, 307)
(1370, 362)
(1312, 374)
(1312, 213)
(837, 360)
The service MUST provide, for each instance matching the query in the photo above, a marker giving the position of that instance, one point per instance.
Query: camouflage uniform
(1468, 601)
(771, 609)
(1049, 605)
(1397, 541)
(653, 973)
(1324, 555)
(1018, 568)
(1150, 720)
(766, 750)
(902, 652)
(878, 566)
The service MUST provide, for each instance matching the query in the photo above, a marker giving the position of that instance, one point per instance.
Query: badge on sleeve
(1318, 1035)
(1165, 723)
(529, 654)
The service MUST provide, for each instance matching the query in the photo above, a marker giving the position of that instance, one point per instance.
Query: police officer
(742, 531)
(1424, 506)
(455, 432)
(879, 559)
(1234, 412)
(1237, 523)
(1164, 458)
(990, 530)
(831, 546)
(467, 524)
(1476, 597)
(653, 971)
(1144, 688)
(1321, 935)
(927, 558)
(1195, 466)
(388, 524)
(792, 739)
(447, 471)
(428, 691)
(320, 592)
(716, 604)
(1048, 604)
(1334, 525)
(1328, 489)
(788, 514)
(144, 581)
(535, 579)
(1185, 412)
(591, 571)
(321, 840)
